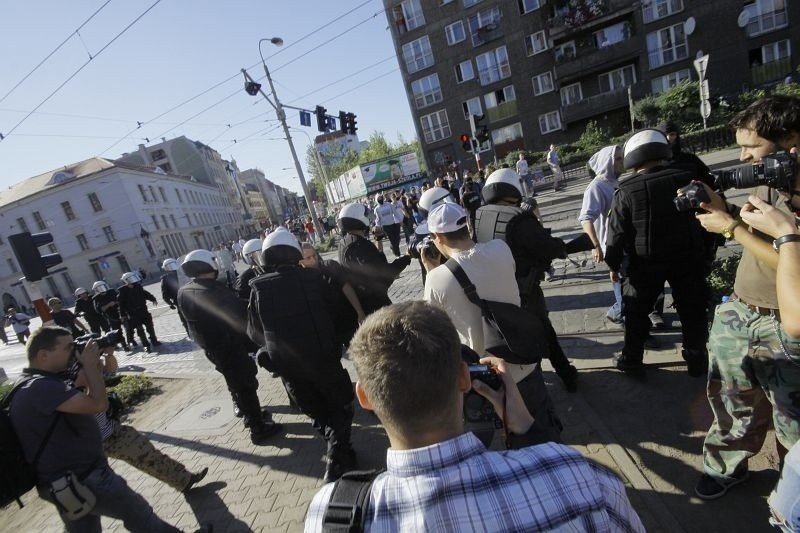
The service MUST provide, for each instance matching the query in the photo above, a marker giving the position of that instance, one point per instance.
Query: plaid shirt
(458, 485)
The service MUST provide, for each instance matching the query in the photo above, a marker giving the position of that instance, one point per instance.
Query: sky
(168, 71)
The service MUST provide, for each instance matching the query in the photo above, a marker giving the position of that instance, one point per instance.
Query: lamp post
(252, 87)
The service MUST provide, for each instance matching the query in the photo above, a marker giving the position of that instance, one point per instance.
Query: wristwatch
(792, 237)
(728, 232)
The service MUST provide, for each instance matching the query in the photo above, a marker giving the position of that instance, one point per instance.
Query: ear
(464, 383)
(363, 400)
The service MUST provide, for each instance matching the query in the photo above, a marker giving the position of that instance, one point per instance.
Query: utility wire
(57, 89)
(56, 49)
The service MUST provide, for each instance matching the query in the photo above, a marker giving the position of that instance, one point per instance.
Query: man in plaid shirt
(438, 478)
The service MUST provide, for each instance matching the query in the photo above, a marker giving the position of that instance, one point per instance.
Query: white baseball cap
(447, 217)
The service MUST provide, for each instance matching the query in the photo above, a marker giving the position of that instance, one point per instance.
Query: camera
(112, 338)
(775, 171)
(427, 248)
(479, 415)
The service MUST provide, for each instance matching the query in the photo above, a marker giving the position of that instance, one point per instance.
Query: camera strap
(346, 509)
(5, 403)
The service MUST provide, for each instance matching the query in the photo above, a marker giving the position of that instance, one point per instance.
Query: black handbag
(509, 331)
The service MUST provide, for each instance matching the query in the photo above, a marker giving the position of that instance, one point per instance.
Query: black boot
(266, 417)
(569, 375)
(696, 361)
(261, 432)
(338, 462)
(237, 411)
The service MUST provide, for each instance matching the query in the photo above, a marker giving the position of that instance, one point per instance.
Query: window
(549, 122)
(775, 51)
(123, 263)
(500, 96)
(662, 83)
(22, 225)
(82, 241)
(526, 6)
(481, 23)
(157, 154)
(506, 134)
(427, 91)
(493, 66)
(51, 248)
(658, 9)
(455, 33)
(174, 222)
(143, 192)
(667, 46)
(417, 54)
(617, 79)
(53, 287)
(109, 233)
(178, 194)
(536, 43)
(411, 12)
(571, 94)
(564, 52)
(152, 193)
(164, 221)
(68, 281)
(155, 222)
(12, 266)
(37, 217)
(163, 194)
(766, 16)
(98, 274)
(612, 35)
(542, 83)
(435, 126)
(472, 107)
(95, 201)
(464, 71)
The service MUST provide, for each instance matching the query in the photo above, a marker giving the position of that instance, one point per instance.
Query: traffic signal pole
(35, 295)
(474, 141)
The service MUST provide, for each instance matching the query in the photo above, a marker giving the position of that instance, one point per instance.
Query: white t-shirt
(385, 214)
(490, 266)
(522, 167)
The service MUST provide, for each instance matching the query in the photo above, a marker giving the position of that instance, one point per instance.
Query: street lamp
(253, 88)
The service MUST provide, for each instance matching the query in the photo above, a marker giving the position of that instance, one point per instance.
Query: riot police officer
(204, 302)
(84, 307)
(133, 300)
(105, 303)
(289, 316)
(251, 254)
(170, 286)
(533, 249)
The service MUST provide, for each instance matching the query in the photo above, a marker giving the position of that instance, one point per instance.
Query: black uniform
(289, 315)
(217, 320)
(66, 319)
(169, 293)
(242, 284)
(370, 273)
(533, 249)
(661, 244)
(112, 314)
(133, 305)
(84, 307)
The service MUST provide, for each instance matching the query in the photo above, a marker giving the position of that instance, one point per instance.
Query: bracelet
(728, 232)
(791, 237)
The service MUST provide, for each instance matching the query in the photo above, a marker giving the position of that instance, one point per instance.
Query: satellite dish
(744, 18)
(689, 26)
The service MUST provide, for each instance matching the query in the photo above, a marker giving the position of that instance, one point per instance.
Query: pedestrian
(310, 230)
(84, 308)
(524, 175)
(290, 318)
(20, 323)
(217, 322)
(66, 318)
(554, 162)
(386, 218)
(133, 298)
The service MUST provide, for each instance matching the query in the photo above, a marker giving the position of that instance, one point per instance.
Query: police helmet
(99, 287)
(502, 183)
(199, 262)
(169, 264)
(353, 217)
(281, 248)
(130, 278)
(251, 250)
(431, 198)
(79, 291)
(646, 145)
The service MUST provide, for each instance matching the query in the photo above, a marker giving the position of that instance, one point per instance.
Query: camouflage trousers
(127, 444)
(754, 373)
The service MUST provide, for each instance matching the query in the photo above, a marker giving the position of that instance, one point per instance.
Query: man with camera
(490, 267)
(660, 243)
(56, 422)
(754, 361)
(439, 478)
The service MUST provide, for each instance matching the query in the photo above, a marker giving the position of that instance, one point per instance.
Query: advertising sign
(391, 171)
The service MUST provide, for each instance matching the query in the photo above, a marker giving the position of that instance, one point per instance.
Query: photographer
(753, 359)
(439, 478)
(20, 323)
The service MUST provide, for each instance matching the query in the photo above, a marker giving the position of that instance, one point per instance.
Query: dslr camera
(775, 171)
(479, 415)
(427, 248)
(112, 338)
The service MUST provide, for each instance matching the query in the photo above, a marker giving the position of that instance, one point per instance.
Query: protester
(66, 318)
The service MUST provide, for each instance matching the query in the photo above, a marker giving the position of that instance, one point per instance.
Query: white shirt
(490, 266)
(522, 167)
(385, 214)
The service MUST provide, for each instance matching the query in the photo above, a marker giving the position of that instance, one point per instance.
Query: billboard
(391, 171)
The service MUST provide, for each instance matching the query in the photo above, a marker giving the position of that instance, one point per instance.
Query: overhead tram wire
(235, 76)
(57, 89)
(56, 49)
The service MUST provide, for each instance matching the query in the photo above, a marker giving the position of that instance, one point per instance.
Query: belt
(763, 311)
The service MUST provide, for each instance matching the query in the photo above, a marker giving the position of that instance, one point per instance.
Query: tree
(647, 111)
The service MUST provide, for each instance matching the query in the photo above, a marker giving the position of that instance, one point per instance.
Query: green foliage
(747, 98)
(722, 276)
(133, 390)
(593, 138)
(5, 387)
(647, 111)
(681, 104)
(788, 89)
(326, 244)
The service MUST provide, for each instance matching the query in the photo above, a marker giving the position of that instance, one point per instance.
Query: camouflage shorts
(751, 359)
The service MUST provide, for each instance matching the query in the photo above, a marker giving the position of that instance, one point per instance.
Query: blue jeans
(615, 311)
(785, 499)
(115, 499)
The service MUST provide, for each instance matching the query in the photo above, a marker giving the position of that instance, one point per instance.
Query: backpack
(17, 476)
(472, 200)
(345, 511)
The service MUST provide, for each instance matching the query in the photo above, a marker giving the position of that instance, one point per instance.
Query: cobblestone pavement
(649, 432)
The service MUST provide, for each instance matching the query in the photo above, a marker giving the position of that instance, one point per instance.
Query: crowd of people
(652, 213)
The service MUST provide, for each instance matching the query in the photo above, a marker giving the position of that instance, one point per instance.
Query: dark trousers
(23, 335)
(546, 424)
(239, 371)
(393, 233)
(535, 303)
(141, 320)
(640, 289)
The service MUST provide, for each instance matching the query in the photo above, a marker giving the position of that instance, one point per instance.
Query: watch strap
(728, 232)
(791, 237)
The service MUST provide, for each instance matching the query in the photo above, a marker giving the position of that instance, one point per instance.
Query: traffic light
(322, 119)
(252, 87)
(26, 249)
(466, 142)
(351, 124)
(343, 121)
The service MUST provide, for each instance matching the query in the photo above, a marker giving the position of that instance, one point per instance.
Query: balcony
(589, 59)
(580, 15)
(601, 103)
(770, 72)
(504, 110)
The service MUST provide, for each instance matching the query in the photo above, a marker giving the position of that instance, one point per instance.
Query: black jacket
(133, 299)
(169, 287)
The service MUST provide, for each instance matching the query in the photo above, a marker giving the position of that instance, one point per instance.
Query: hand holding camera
(766, 219)
(89, 355)
(505, 397)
